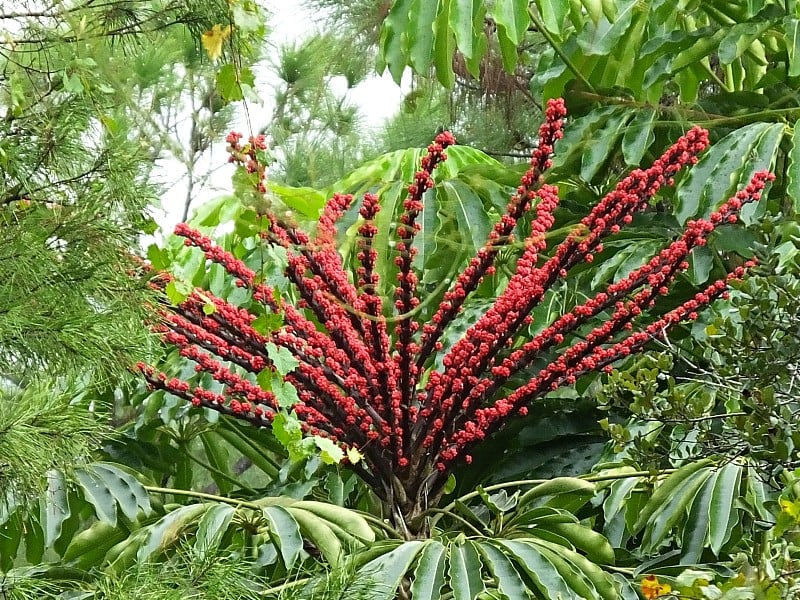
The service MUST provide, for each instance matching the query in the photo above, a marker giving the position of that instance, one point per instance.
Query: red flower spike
(358, 383)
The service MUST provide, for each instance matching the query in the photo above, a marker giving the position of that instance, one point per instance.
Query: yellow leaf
(353, 455)
(214, 38)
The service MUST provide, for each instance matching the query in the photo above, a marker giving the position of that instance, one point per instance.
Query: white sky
(378, 98)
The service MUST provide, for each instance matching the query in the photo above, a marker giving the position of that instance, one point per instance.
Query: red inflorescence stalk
(365, 386)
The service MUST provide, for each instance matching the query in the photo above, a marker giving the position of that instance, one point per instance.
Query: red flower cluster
(367, 378)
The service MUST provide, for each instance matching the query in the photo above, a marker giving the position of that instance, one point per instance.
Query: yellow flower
(213, 39)
(652, 589)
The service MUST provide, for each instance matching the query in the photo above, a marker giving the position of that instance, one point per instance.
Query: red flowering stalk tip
(366, 385)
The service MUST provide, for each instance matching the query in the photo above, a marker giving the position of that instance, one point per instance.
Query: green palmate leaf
(512, 16)
(740, 38)
(638, 136)
(578, 137)
(791, 28)
(665, 490)
(602, 37)
(307, 201)
(429, 573)
(727, 166)
(470, 214)
(598, 152)
(465, 573)
(721, 509)
(388, 569)
(793, 171)
(538, 568)
(444, 47)
(419, 32)
(670, 514)
(509, 581)
(391, 44)
(108, 487)
(553, 12)
(213, 525)
(167, 530)
(284, 533)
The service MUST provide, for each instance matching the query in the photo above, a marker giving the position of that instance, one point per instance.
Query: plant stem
(203, 496)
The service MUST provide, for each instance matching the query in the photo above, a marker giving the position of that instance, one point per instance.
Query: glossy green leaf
(602, 37)
(723, 514)
(428, 576)
(715, 177)
(54, 508)
(673, 512)
(553, 13)
(465, 572)
(107, 486)
(791, 28)
(421, 18)
(512, 16)
(444, 46)
(597, 153)
(701, 261)
(168, 529)
(695, 530)
(793, 171)
(388, 569)
(213, 525)
(284, 533)
(320, 534)
(462, 21)
(306, 201)
(540, 570)
(392, 54)
(509, 581)
(740, 38)
(638, 136)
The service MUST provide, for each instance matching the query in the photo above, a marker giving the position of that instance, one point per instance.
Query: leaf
(508, 579)
(230, 82)
(388, 569)
(465, 571)
(282, 359)
(740, 38)
(512, 17)
(444, 47)
(212, 527)
(284, 533)
(107, 487)
(419, 32)
(167, 530)
(717, 174)
(391, 43)
(722, 513)
(669, 514)
(602, 37)
(428, 576)
(330, 453)
(791, 28)
(462, 23)
(307, 201)
(553, 14)
(793, 171)
(213, 39)
(54, 508)
(539, 569)
(320, 534)
(605, 139)
(638, 136)
(701, 261)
